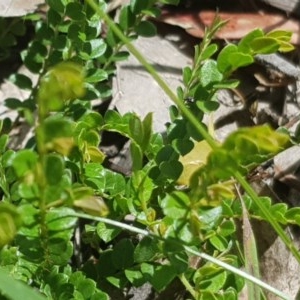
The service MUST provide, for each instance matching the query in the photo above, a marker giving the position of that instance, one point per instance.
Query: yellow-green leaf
(193, 161)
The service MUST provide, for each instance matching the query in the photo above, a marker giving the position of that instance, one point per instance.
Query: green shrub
(59, 180)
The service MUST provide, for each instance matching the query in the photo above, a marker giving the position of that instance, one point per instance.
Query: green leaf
(8, 256)
(34, 57)
(75, 11)
(92, 120)
(57, 127)
(4, 139)
(223, 163)
(62, 83)
(127, 18)
(252, 145)
(86, 287)
(179, 261)
(94, 154)
(135, 277)
(147, 270)
(58, 5)
(222, 61)
(210, 218)
(146, 29)
(171, 169)
(266, 201)
(285, 47)
(147, 128)
(156, 143)
(105, 267)
(162, 277)
(186, 74)
(93, 170)
(10, 222)
(58, 134)
(118, 280)
(114, 183)
(227, 84)
(137, 6)
(167, 153)
(22, 81)
(281, 35)
(209, 51)
(115, 122)
(13, 103)
(226, 228)
(28, 191)
(209, 73)
(59, 219)
(240, 59)
(93, 49)
(29, 218)
(136, 129)
(24, 161)
(244, 44)
(107, 232)
(146, 250)
(102, 296)
(183, 146)
(193, 133)
(120, 56)
(230, 58)
(177, 256)
(60, 251)
(54, 168)
(96, 75)
(92, 205)
(54, 18)
(60, 42)
(293, 214)
(14, 288)
(123, 254)
(201, 93)
(279, 210)
(142, 187)
(214, 283)
(207, 106)
(264, 45)
(91, 137)
(137, 157)
(176, 205)
(74, 33)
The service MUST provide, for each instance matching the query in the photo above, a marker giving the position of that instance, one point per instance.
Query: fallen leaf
(193, 161)
(239, 24)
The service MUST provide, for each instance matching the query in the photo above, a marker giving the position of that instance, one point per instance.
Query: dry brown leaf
(239, 24)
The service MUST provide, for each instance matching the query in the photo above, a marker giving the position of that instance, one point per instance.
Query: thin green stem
(187, 285)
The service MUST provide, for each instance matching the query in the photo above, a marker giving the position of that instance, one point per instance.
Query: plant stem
(187, 285)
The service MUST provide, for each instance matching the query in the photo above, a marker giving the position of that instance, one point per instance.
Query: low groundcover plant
(64, 227)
